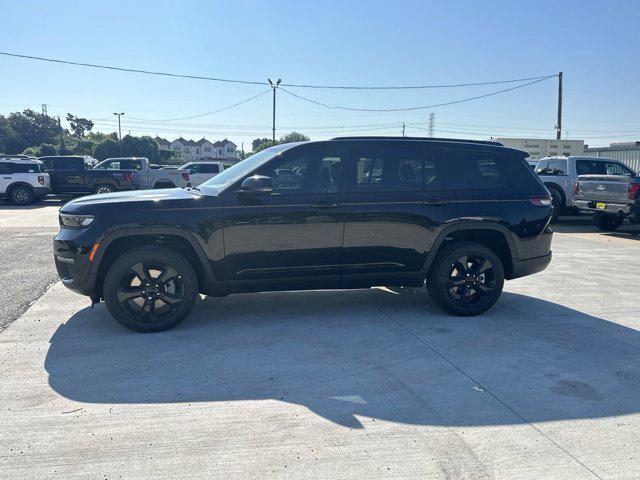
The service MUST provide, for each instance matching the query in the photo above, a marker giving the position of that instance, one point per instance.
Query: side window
(474, 170)
(213, 168)
(67, 163)
(618, 169)
(591, 167)
(306, 170)
(129, 165)
(6, 168)
(113, 165)
(396, 169)
(25, 168)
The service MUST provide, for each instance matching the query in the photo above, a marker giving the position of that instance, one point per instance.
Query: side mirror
(256, 184)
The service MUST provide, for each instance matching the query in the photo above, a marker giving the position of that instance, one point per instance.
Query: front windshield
(243, 168)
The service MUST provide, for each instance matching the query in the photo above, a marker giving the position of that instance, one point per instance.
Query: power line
(132, 70)
(291, 85)
(416, 87)
(202, 114)
(477, 97)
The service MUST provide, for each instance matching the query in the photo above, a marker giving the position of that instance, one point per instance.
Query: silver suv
(22, 180)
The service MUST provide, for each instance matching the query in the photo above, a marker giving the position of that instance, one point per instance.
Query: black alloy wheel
(150, 289)
(472, 278)
(466, 278)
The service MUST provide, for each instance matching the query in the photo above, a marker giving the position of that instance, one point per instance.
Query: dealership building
(540, 147)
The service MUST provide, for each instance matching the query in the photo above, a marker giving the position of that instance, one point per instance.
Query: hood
(139, 200)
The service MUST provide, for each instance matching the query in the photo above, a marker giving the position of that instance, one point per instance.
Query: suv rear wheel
(150, 289)
(466, 278)
(608, 223)
(22, 195)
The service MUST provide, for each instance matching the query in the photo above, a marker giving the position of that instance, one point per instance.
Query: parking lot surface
(25, 255)
(331, 384)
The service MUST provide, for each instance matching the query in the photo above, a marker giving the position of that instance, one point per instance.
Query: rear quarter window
(466, 170)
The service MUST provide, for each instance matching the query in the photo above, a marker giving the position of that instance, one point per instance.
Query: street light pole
(274, 87)
(119, 131)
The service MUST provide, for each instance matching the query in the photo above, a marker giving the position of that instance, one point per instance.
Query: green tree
(293, 137)
(265, 144)
(28, 129)
(107, 148)
(257, 142)
(79, 125)
(140, 147)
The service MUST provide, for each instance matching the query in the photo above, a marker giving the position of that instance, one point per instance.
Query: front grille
(65, 267)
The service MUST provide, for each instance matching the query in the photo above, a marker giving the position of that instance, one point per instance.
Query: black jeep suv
(351, 212)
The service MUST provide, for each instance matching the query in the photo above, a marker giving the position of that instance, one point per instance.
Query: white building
(203, 149)
(541, 147)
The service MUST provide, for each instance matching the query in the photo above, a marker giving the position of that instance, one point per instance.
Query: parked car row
(24, 180)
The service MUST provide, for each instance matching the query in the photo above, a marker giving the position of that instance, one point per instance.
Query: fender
(211, 282)
(469, 225)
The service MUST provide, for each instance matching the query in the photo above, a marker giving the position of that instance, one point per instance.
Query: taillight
(576, 188)
(185, 175)
(40, 179)
(541, 201)
(128, 177)
(634, 191)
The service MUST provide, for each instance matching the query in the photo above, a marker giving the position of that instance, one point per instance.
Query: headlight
(75, 221)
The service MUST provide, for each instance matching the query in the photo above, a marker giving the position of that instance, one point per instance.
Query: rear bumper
(530, 266)
(40, 192)
(624, 209)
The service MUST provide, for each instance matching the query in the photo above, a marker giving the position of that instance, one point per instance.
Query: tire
(126, 292)
(102, 189)
(466, 290)
(164, 185)
(608, 223)
(22, 195)
(556, 201)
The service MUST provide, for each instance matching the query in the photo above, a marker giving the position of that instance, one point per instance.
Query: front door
(396, 207)
(294, 234)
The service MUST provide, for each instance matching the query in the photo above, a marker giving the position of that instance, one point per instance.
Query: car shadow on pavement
(380, 353)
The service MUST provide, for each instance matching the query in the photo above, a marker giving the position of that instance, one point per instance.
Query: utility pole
(559, 124)
(403, 129)
(432, 121)
(274, 87)
(61, 136)
(119, 131)
(44, 109)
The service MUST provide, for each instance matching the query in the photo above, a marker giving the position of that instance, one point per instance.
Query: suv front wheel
(466, 278)
(150, 289)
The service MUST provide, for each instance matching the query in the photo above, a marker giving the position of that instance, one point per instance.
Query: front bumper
(71, 255)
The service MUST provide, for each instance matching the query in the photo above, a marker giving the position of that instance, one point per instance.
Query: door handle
(6, 178)
(436, 203)
(323, 205)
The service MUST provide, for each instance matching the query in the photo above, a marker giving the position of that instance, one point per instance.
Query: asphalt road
(25, 256)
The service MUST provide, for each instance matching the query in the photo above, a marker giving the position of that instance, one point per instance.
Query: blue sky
(594, 43)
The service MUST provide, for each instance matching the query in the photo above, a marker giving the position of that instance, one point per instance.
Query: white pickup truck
(146, 175)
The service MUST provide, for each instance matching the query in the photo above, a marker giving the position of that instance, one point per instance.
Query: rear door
(6, 171)
(396, 207)
(66, 174)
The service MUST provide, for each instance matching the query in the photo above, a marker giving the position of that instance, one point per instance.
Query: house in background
(203, 149)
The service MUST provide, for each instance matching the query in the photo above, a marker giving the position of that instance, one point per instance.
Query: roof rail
(453, 140)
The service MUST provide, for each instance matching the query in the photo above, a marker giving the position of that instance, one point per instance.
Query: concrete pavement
(359, 384)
